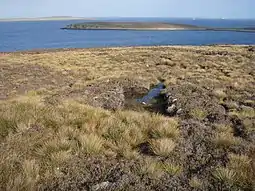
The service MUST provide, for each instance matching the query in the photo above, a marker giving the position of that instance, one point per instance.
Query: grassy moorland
(69, 119)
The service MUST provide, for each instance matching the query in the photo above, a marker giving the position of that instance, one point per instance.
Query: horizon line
(94, 17)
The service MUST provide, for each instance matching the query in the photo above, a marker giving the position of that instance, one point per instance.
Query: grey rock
(171, 110)
(100, 186)
(144, 103)
(179, 111)
(174, 100)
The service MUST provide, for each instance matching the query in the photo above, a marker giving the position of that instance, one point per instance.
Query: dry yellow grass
(46, 121)
(198, 113)
(224, 128)
(196, 183)
(153, 167)
(168, 129)
(242, 166)
(172, 169)
(225, 175)
(162, 147)
(90, 144)
(159, 168)
(226, 139)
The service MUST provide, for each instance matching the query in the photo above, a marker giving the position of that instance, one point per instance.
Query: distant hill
(53, 18)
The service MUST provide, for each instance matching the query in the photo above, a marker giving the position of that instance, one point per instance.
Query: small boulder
(171, 110)
(100, 186)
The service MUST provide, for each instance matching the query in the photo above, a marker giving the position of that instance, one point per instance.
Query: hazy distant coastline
(60, 18)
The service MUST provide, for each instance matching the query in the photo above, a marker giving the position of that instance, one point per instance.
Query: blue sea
(16, 36)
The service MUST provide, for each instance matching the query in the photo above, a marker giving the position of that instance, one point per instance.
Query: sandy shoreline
(140, 29)
(167, 29)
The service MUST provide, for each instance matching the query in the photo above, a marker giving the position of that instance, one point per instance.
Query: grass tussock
(172, 169)
(156, 168)
(226, 139)
(153, 168)
(198, 113)
(162, 147)
(225, 175)
(196, 183)
(168, 129)
(222, 128)
(90, 144)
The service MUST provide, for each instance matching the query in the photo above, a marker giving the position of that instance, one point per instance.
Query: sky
(128, 8)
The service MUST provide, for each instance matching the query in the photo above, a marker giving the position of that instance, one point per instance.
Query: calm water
(47, 34)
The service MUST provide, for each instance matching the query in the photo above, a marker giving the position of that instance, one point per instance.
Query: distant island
(54, 18)
(128, 26)
(146, 26)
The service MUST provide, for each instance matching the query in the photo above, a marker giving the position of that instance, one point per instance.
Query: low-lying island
(128, 26)
(102, 25)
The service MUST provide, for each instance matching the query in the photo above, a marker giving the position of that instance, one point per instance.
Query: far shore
(168, 29)
(44, 19)
(140, 29)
